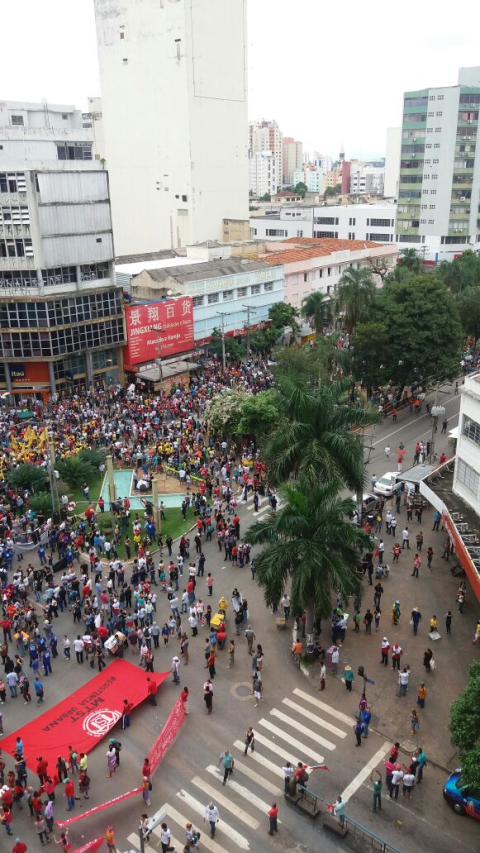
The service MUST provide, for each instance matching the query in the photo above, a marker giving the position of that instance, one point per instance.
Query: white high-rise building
(263, 176)
(292, 154)
(392, 162)
(267, 136)
(174, 102)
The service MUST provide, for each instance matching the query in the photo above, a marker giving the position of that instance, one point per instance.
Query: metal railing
(376, 843)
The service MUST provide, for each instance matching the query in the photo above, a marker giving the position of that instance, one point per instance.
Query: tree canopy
(465, 727)
(317, 309)
(356, 293)
(258, 414)
(224, 412)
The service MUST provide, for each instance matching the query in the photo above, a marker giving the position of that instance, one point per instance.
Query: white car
(387, 485)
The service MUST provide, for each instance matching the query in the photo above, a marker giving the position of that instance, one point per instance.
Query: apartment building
(292, 158)
(439, 181)
(375, 222)
(263, 174)
(267, 136)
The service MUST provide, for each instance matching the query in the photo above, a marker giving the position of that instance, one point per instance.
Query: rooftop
(316, 249)
(198, 270)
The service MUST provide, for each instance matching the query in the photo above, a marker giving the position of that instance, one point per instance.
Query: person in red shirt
(36, 804)
(151, 691)
(272, 816)
(69, 793)
(19, 847)
(127, 707)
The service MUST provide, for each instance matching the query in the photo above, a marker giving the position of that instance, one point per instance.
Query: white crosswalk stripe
(302, 747)
(281, 753)
(342, 718)
(302, 729)
(199, 808)
(181, 820)
(314, 719)
(222, 800)
(248, 795)
(260, 759)
(255, 777)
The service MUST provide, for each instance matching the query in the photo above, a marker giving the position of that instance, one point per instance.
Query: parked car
(369, 503)
(387, 485)
(463, 800)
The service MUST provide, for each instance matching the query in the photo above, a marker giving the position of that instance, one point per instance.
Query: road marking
(304, 749)
(365, 772)
(182, 821)
(302, 729)
(277, 748)
(255, 777)
(409, 423)
(343, 718)
(315, 719)
(260, 759)
(218, 797)
(134, 839)
(241, 790)
(196, 806)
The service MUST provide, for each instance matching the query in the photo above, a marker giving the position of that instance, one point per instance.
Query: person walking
(429, 557)
(377, 790)
(126, 711)
(287, 770)
(427, 660)
(397, 776)
(414, 723)
(212, 816)
(422, 695)
(421, 764)
(368, 619)
(273, 819)
(111, 761)
(405, 538)
(185, 696)
(231, 654)
(323, 675)
(416, 565)
(415, 617)
(208, 697)
(110, 839)
(70, 794)
(349, 677)
(397, 652)
(384, 651)
(408, 782)
(227, 761)
(249, 740)
(357, 729)
(335, 659)
(448, 621)
(250, 637)
(165, 838)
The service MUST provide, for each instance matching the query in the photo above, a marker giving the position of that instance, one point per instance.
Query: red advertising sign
(175, 319)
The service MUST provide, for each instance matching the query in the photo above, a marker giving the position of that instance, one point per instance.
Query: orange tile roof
(308, 247)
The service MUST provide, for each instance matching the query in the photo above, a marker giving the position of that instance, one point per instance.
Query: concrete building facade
(61, 315)
(311, 264)
(392, 162)
(312, 176)
(174, 119)
(263, 173)
(375, 222)
(292, 158)
(439, 182)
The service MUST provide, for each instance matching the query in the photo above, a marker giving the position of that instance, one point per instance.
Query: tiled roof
(307, 248)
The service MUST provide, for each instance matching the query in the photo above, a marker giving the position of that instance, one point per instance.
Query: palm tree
(75, 471)
(356, 292)
(314, 435)
(311, 544)
(29, 477)
(317, 307)
(411, 260)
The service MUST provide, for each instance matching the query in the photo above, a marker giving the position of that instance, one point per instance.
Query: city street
(294, 721)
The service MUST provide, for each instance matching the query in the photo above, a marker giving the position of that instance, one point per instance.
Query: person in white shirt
(335, 660)
(408, 783)
(213, 817)
(165, 838)
(405, 538)
(287, 775)
(397, 777)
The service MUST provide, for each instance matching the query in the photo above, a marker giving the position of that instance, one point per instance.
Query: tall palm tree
(411, 260)
(310, 544)
(314, 435)
(356, 291)
(317, 307)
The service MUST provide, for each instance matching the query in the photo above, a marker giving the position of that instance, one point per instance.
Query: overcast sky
(328, 72)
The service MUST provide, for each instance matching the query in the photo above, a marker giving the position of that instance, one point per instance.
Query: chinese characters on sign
(175, 319)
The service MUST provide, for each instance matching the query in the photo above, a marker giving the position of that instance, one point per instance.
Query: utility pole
(249, 310)
(436, 412)
(159, 331)
(222, 315)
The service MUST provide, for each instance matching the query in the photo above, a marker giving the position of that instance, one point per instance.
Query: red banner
(167, 735)
(84, 717)
(99, 808)
(174, 318)
(462, 554)
(91, 847)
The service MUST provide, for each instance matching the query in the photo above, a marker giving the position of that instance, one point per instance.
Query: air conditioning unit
(414, 155)
(465, 137)
(463, 198)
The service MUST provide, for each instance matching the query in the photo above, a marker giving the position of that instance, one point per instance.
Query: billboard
(174, 317)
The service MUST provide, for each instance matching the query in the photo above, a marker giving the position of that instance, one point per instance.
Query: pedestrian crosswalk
(294, 731)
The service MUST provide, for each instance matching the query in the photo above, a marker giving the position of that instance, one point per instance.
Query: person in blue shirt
(366, 717)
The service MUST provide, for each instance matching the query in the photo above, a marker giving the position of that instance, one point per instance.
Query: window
(329, 270)
(212, 298)
(275, 232)
(468, 476)
(242, 291)
(326, 220)
(305, 276)
(352, 221)
(74, 151)
(17, 121)
(428, 145)
(184, 198)
(430, 115)
(424, 192)
(197, 301)
(255, 289)
(320, 273)
(431, 206)
(227, 295)
(424, 207)
(436, 145)
(408, 238)
(428, 161)
(351, 235)
(440, 97)
(435, 161)
(433, 192)
(449, 241)
(379, 238)
(299, 233)
(439, 114)
(268, 286)
(326, 234)
(125, 61)
(431, 222)
(423, 222)
(12, 248)
(383, 223)
(438, 130)
(429, 129)
(420, 101)
(122, 35)
(91, 272)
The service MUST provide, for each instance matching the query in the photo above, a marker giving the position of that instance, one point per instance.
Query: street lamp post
(436, 412)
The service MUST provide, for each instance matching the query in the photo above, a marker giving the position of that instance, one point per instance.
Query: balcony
(464, 214)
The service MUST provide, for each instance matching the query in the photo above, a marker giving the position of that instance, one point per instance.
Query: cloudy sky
(328, 72)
